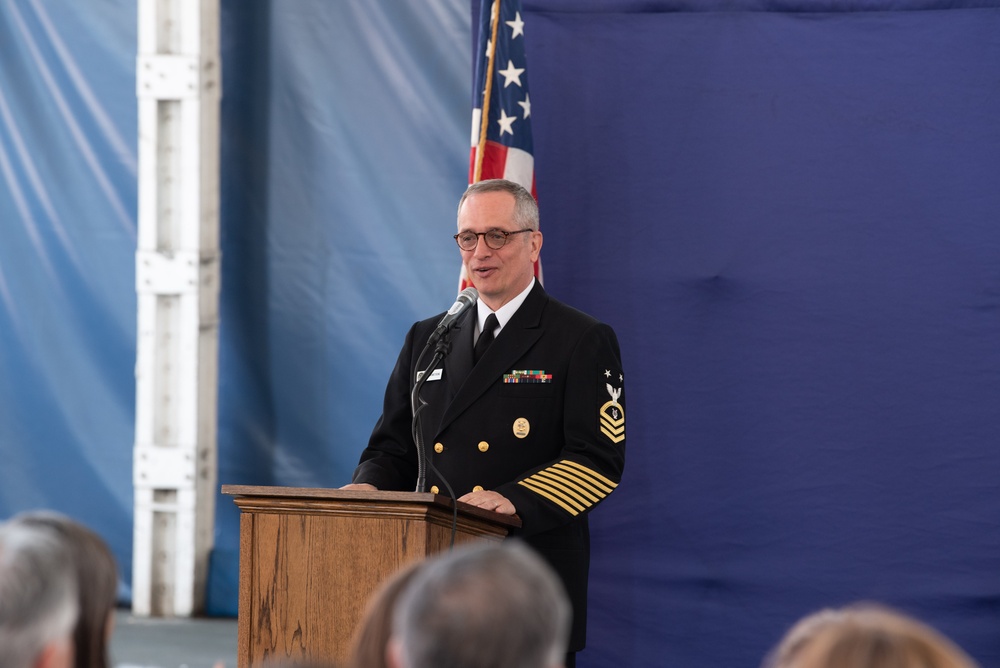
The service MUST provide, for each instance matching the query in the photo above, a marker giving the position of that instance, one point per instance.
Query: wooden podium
(310, 558)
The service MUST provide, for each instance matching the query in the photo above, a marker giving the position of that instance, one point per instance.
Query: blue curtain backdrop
(788, 211)
(67, 255)
(791, 219)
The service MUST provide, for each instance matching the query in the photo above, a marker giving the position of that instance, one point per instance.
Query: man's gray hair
(485, 606)
(38, 602)
(525, 206)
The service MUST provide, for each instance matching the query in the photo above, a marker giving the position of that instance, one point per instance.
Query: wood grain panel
(310, 559)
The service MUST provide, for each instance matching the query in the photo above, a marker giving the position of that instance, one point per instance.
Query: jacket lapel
(514, 340)
(458, 363)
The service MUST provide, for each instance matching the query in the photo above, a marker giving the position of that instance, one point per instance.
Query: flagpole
(485, 122)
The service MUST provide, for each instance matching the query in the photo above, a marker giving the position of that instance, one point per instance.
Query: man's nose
(482, 248)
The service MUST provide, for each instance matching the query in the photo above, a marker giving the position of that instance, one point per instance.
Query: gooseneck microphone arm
(438, 340)
(417, 405)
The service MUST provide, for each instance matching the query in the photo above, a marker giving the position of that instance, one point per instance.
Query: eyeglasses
(495, 239)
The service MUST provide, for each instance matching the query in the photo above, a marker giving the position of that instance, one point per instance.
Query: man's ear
(536, 245)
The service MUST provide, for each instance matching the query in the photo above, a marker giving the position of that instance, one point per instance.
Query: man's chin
(486, 287)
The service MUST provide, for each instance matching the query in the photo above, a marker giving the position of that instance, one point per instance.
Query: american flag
(502, 147)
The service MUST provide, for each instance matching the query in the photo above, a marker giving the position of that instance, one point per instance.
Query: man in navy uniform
(527, 413)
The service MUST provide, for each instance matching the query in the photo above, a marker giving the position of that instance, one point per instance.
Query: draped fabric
(789, 217)
(786, 209)
(67, 257)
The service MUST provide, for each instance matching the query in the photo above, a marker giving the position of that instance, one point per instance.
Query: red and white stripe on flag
(500, 161)
(501, 88)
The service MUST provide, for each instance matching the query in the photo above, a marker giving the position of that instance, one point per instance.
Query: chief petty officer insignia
(612, 413)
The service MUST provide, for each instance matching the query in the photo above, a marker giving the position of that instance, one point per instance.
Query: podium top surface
(364, 496)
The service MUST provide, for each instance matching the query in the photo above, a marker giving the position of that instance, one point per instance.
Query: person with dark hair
(38, 606)
(865, 636)
(484, 606)
(526, 415)
(97, 578)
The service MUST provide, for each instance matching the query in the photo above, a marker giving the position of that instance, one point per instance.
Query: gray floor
(172, 643)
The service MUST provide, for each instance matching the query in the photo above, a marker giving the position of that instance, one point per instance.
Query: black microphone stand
(442, 346)
(417, 405)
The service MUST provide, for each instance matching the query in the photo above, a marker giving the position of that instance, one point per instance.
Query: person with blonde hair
(866, 636)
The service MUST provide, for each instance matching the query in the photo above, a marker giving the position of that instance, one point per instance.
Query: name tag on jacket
(435, 375)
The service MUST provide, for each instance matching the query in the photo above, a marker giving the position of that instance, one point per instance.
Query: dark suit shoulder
(567, 313)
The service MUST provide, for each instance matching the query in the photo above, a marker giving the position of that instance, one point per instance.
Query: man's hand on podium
(361, 486)
(490, 500)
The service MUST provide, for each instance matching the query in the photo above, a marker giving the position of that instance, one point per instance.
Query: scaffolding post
(178, 86)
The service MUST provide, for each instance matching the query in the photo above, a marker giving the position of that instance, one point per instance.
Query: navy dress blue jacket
(540, 419)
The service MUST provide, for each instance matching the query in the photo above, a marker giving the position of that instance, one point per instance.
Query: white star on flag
(517, 24)
(511, 74)
(506, 122)
(526, 105)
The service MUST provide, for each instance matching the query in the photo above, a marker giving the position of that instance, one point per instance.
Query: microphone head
(467, 298)
(469, 294)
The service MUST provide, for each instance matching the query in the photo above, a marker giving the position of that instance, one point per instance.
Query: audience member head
(801, 633)
(866, 636)
(38, 606)
(371, 639)
(97, 575)
(483, 606)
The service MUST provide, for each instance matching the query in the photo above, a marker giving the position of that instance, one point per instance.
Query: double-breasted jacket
(539, 419)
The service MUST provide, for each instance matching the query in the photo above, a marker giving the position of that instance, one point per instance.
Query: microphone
(467, 298)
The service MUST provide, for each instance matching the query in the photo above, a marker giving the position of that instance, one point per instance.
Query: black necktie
(486, 337)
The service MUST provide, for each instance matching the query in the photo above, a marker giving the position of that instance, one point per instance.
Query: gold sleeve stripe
(590, 483)
(567, 486)
(589, 473)
(572, 486)
(578, 486)
(560, 492)
(548, 496)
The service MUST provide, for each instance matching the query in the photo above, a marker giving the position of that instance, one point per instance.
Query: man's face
(501, 274)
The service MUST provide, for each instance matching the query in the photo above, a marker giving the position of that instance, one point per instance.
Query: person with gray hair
(484, 606)
(525, 215)
(38, 606)
(97, 580)
(525, 415)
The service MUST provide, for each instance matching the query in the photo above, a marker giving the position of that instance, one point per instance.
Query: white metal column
(177, 280)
